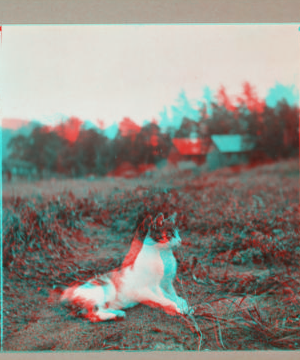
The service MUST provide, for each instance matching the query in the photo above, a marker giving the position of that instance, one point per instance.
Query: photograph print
(150, 187)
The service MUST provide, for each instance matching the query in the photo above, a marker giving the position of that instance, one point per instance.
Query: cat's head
(161, 230)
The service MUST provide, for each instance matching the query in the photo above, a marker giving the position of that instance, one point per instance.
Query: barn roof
(188, 146)
(233, 143)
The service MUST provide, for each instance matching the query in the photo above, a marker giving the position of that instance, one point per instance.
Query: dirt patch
(238, 266)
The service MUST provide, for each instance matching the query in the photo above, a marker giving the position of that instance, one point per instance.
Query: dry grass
(238, 267)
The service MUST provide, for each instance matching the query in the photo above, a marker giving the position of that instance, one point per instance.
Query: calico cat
(146, 276)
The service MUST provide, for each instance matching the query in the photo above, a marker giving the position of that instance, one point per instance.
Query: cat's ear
(173, 217)
(146, 223)
(158, 221)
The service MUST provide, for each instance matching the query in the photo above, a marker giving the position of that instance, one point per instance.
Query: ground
(238, 266)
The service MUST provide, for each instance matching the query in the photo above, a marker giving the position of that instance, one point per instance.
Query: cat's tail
(54, 294)
(68, 294)
(80, 302)
(84, 295)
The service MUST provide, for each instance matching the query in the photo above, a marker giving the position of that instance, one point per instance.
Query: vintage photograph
(150, 187)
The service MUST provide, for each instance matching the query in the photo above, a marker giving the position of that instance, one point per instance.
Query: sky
(108, 72)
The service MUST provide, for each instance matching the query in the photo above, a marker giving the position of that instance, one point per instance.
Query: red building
(188, 149)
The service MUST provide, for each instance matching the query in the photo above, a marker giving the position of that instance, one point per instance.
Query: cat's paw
(191, 311)
(183, 306)
(120, 313)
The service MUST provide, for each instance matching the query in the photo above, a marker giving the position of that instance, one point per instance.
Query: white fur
(149, 280)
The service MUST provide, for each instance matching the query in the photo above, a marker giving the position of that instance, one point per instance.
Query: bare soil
(243, 300)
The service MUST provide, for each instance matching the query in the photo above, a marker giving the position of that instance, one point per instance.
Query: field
(238, 267)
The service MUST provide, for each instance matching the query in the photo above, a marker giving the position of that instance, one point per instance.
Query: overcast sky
(109, 72)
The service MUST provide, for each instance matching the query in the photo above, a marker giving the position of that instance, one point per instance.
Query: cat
(146, 276)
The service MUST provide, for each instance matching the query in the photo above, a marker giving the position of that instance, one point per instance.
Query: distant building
(229, 150)
(189, 149)
(18, 169)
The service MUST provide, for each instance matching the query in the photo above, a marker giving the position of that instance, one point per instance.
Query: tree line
(71, 150)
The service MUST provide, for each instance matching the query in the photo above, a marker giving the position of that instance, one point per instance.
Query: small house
(189, 150)
(18, 169)
(229, 150)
